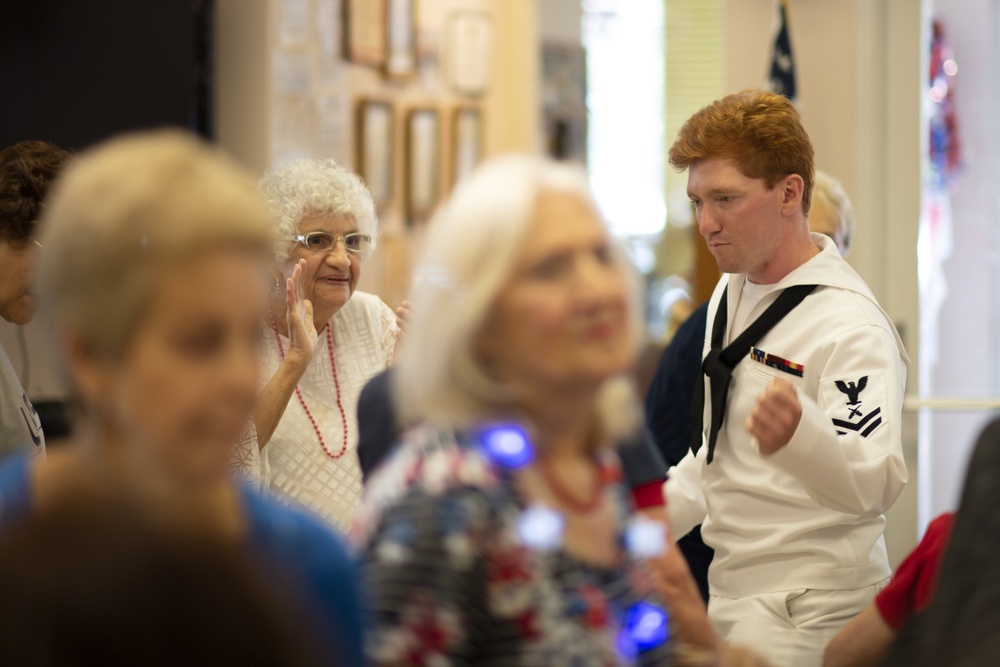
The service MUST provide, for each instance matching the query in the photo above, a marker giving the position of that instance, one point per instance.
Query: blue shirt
(295, 550)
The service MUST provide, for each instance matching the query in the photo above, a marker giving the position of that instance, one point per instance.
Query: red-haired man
(802, 398)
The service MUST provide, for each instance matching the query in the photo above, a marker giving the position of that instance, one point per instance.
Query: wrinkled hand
(403, 317)
(775, 417)
(302, 334)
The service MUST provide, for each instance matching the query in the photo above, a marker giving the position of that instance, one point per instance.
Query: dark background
(74, 72)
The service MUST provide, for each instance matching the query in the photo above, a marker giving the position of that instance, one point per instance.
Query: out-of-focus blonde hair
(830, 195)
(471, 249)
(126, 209)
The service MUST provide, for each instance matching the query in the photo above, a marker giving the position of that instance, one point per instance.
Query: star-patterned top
(453, 579)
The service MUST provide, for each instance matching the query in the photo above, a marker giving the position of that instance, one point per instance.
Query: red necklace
(567, 498)
(336, 383)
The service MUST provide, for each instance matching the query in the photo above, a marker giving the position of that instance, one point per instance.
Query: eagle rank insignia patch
(855, 402)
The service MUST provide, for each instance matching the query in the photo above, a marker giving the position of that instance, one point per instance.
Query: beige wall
(560, 21)
(822, 34)
(243, 81)
(513, 104)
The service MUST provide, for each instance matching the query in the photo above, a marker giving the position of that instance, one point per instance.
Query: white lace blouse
(293, 466)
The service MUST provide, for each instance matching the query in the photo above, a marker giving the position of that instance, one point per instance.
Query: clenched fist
(775, 417)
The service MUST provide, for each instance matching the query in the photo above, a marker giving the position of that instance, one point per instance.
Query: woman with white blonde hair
(324, 340)
(152, 276)
(495, 532)
(831, 212)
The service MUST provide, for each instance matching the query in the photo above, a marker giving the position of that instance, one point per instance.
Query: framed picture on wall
(469, 52)
(374, 151)
(401, 38)
(466, 141)
(423, 162)
(365, 32)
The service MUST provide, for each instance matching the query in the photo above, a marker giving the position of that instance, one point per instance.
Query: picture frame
(469, 52)
(467, 134)
(365, 32)
(401, 39)
(564, 105)
(423, 163)
(374, 150)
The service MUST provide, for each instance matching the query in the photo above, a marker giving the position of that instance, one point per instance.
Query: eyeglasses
(355, 242)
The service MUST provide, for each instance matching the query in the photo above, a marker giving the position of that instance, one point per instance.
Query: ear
(792, 188)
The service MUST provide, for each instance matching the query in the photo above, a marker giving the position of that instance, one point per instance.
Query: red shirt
(913, 584)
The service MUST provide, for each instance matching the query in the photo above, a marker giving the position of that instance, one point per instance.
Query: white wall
(967, 323)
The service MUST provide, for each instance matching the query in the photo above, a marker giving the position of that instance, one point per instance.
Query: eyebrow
(713, 192)
(726, 192)
(349, 231)
(567, 251)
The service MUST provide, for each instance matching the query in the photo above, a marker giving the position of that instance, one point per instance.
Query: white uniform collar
(826, 268)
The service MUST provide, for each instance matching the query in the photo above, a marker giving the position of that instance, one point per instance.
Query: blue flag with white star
(782, 76)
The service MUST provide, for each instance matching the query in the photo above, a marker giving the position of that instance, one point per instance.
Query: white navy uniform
(794, 529)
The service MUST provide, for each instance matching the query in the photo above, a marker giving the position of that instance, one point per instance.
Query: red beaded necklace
(567, 498)
(302, 401)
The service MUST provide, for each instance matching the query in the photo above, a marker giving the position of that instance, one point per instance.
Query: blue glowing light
(646, 538)
(541, 528)
(645, 625)
(507, 445)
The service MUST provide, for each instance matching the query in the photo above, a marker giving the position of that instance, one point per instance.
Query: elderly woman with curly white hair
(323, 339)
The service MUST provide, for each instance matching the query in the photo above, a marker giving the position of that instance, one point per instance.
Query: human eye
(201, 342)
(551, 268)
(318, 240)
(603, 254)
(695, 202)
(725, 199)
(357, 242)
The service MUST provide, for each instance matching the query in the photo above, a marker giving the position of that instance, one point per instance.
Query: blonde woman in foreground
(152, 276)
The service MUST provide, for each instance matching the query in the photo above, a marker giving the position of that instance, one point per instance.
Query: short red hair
(760, 132)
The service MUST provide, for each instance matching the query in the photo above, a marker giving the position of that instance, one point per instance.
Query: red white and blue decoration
(781, 78)
(945, 149)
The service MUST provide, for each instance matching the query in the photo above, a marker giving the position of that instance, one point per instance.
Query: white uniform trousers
(788, 628)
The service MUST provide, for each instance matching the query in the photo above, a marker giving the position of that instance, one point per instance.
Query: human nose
(598, 280)
(707, 223)
(337, 255)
